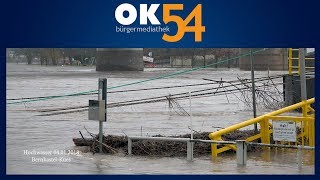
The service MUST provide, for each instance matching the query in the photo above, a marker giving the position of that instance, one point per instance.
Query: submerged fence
(241, 147)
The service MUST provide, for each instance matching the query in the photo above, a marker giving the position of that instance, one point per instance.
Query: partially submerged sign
(284, 131)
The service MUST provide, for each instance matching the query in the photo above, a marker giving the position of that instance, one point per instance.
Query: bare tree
(30, 53)
(54, 54)
(47, 54)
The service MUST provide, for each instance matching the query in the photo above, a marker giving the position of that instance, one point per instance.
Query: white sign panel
(147, 59)
(284, 131)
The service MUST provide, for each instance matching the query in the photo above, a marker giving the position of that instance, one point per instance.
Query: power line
(157, 99)
(141, 81)
(129, 90)
(197, 93)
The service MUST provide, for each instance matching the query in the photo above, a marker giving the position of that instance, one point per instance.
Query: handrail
(257, 119)
(307, 126)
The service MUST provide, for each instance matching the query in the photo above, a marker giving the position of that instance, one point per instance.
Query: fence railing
(185, 140)
(305, 135)
(241, 146)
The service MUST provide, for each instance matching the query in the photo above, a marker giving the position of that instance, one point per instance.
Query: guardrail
(241, 146)
(186, 140)
(306, 123)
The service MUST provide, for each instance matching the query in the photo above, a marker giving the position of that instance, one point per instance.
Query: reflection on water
(27, 131)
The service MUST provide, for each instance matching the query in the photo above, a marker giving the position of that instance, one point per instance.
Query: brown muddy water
(27, 133)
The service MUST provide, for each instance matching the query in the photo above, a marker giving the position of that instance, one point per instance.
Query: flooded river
(28, 133)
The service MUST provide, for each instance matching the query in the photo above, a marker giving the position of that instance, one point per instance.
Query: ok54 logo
(146, 14)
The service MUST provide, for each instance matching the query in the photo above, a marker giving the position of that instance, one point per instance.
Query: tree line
(55, 56)
(52, 56)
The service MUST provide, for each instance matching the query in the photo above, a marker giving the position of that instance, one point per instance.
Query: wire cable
(141, 81)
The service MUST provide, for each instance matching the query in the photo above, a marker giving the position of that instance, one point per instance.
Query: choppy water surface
(28, 131)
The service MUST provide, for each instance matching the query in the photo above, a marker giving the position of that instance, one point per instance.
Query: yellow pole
(214, 150)
(290, 61)
(258, 119)
(214, 147)
(305, 122)
(312, 141)
(264, 130)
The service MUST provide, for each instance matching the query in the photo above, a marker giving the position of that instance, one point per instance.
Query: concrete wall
(119, 59)
(180, 61)
(199, 61)
(188, 61)
(272, 59)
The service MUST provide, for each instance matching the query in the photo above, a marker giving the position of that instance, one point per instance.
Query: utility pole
(303, 74)
(253, 92)
(191, 125)
(191, 135)
(102, 95)
(303, 86)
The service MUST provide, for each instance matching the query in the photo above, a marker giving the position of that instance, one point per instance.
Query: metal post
(190, 111)
(129, 146)
(100, 122)
(241, 152)
(102, 95)
(288, 93)
(303, 74)
(303, 86)
(189, 151)
(253, 92)
(190, 115)
(299, 157)
(100, 135)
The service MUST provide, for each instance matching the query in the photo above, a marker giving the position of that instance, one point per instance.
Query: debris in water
(114, 143)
